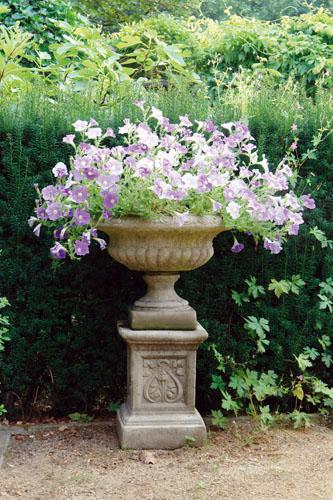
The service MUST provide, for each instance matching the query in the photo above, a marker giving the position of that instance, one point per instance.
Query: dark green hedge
(65, 353)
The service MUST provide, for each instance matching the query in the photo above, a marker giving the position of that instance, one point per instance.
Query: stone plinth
(160, 408)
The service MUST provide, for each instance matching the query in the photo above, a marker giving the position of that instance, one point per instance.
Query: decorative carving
(163, 380)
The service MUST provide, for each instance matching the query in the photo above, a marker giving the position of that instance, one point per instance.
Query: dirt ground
(243, 463)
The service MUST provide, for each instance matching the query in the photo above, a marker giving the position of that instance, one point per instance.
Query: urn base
(160, 412)
(162, 319)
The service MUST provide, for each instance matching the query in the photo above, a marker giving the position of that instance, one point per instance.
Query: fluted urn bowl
(161, 249)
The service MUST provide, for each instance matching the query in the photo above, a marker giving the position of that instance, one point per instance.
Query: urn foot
(161, 308)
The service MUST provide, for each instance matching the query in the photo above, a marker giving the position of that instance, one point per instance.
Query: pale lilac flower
(110, 200)
(93, 123)
(105, 181)
(81, 217)
(181, 218)
(293, 230)
(54, 211)
(69, 139)
(294, 146)
(157, 114)
(80, 194)
(60, 170)
(216, 206)
(128, 127)
(81, 247)
(49, 193)
(32, 220)
(80, 125)
(294, 127)
(139, 103)
(209, 126)
(233, 209)
(308, 202)
(274, 247)
(102, 243)
(110, 132)
(185, 122)
(37, 229)
(58, 251)
(94, 133)
(114, 167)
(237, 247)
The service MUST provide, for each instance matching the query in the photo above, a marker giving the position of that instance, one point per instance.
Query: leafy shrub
(38, 17)
(111, 14)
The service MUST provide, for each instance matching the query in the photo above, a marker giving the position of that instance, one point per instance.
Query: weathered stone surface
(161, 248)
(160, 408)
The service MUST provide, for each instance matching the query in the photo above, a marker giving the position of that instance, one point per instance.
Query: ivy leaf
(239, 298)
(325, 303)
(219, 419)
(254, 289)
(217, 382)
(325, 342)
(259, 326)
(303, 362)
(311, 353)
(296, 283)
(229, 404)
(326, 359)
(279, 287)
(298, 391)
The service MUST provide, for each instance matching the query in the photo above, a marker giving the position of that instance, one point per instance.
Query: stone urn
(162, 332)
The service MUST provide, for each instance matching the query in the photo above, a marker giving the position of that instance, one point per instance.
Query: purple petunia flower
(110, 200)
(94, 133)
(237, 247)
(60, 170)
(58, 251)
(49, 193)
(80, 125)
(274, 247)
(81, 217)
(105, 181)
(41, 213)
(80, 194)
(308, 202)
(91, 173)
(54, 211)
(81, 247)
(69, 139)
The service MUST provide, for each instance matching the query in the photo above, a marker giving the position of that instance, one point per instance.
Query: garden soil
(243, 463)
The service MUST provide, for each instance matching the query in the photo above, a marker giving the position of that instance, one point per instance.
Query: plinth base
(160, 409)
(166, 432)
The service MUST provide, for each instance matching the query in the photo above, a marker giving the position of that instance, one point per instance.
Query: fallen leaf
(147, 457)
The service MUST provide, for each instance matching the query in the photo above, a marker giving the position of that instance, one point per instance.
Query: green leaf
(279, 287)
(217, 382)
(303, 361)
(298, 391)
(219, 419)
(174, 53)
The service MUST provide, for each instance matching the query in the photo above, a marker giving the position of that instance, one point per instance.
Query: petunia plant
(163, 168)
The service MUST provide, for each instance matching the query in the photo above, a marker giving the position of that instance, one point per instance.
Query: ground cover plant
(269, 317)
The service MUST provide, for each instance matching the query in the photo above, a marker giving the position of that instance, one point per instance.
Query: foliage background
(65, 354)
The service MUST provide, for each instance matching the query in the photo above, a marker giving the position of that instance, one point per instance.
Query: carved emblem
(163, 380)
